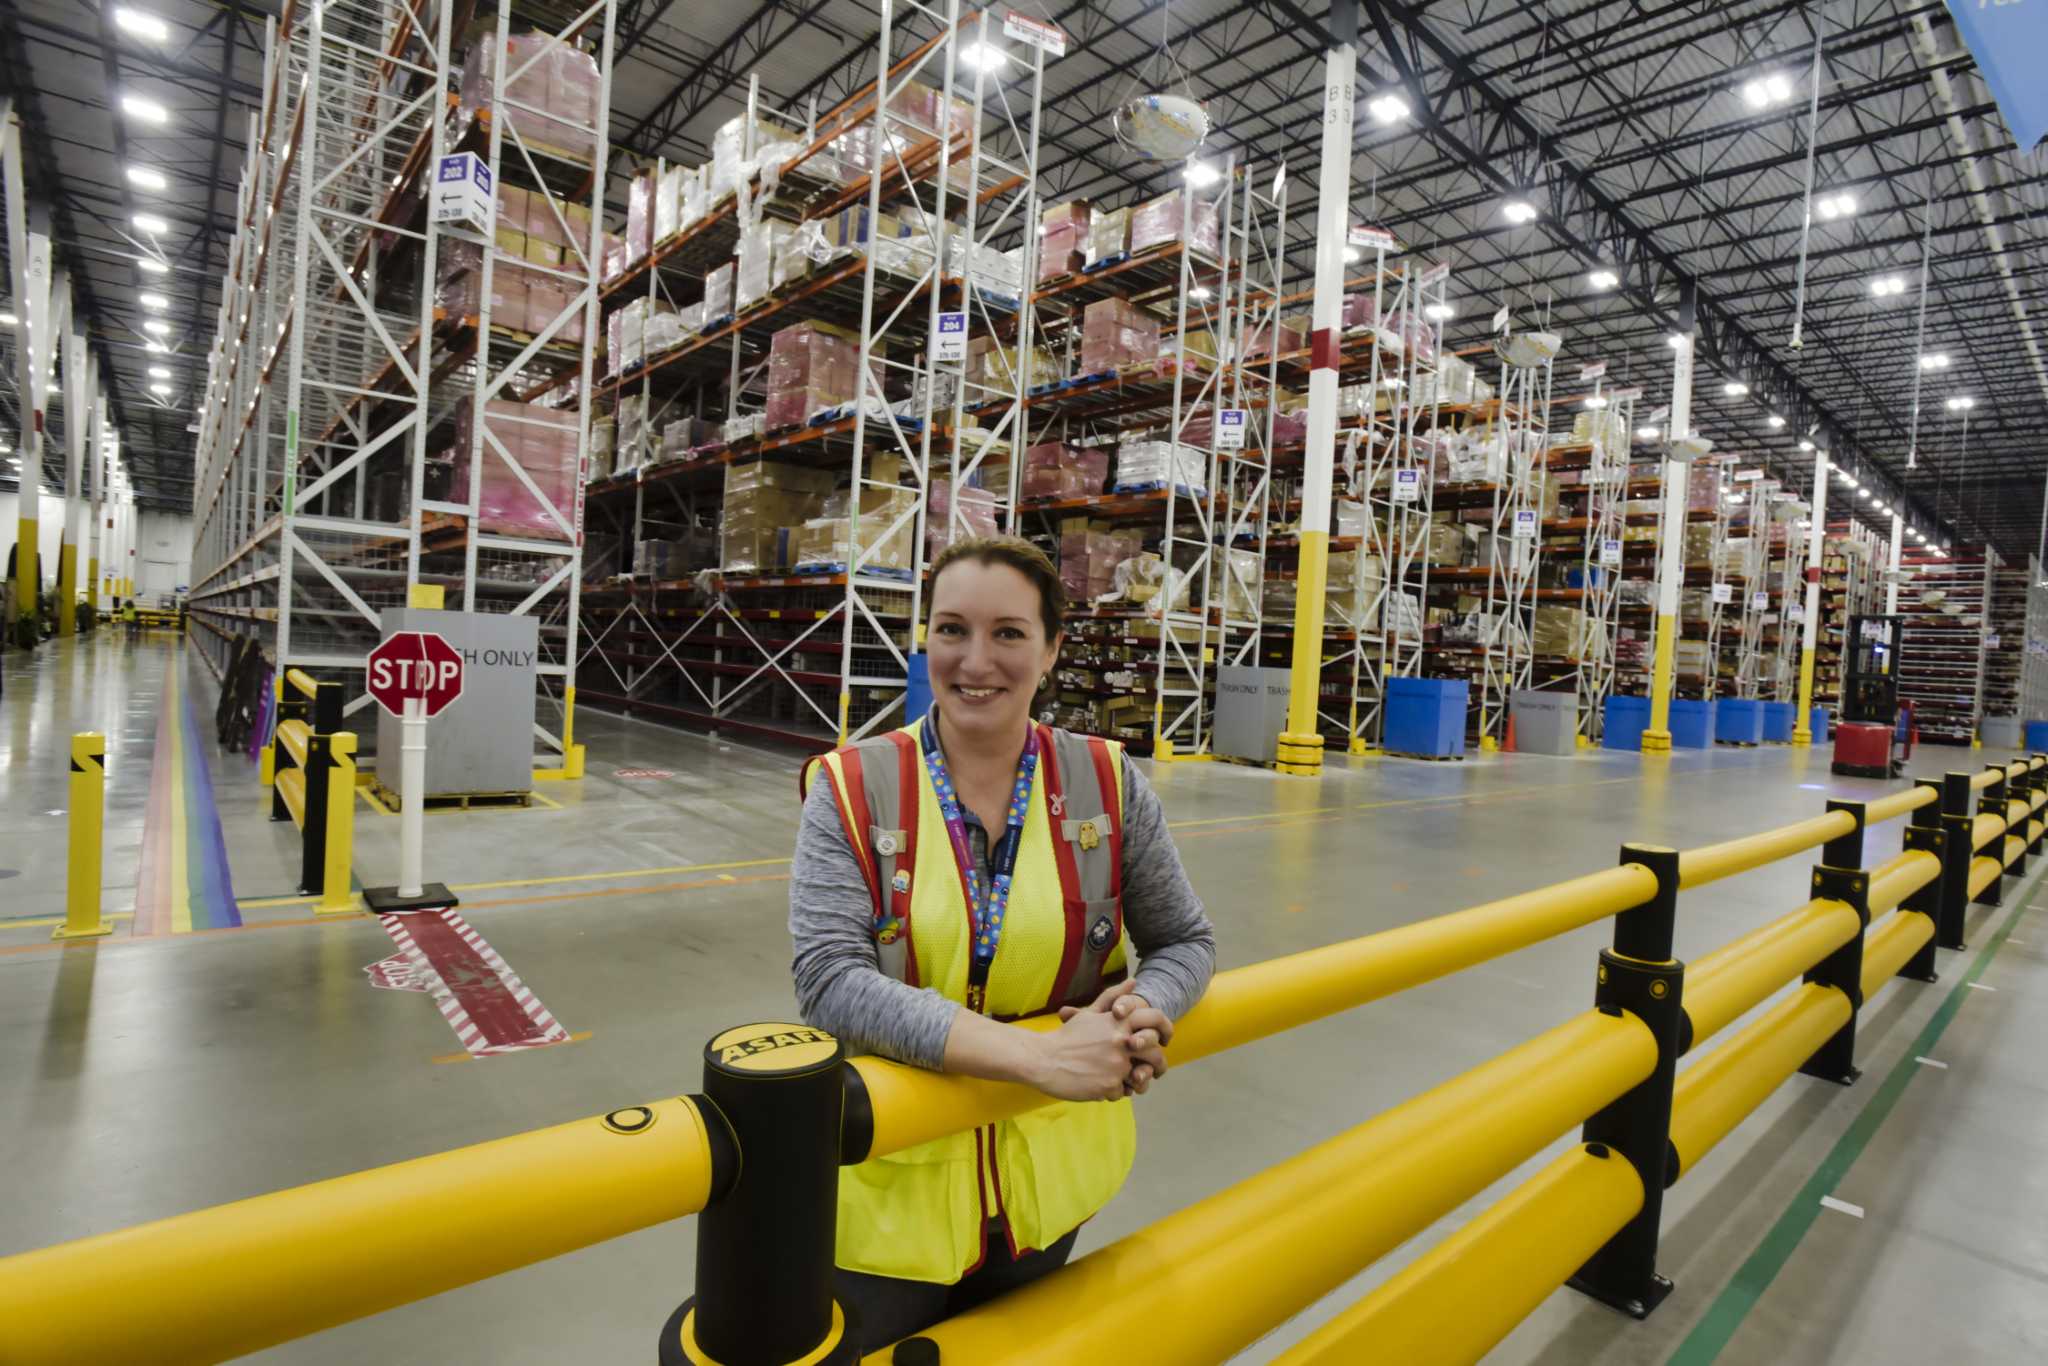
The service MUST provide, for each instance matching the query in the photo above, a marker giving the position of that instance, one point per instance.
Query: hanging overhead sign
(1441, 270)
(1628, 395)
(1368, 238)
(1046, 37)
(1593, 370)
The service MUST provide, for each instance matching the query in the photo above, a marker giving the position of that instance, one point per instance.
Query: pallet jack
(1874, 738)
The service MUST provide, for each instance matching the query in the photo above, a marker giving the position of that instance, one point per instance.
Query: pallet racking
(361, 437)
(1941, 648)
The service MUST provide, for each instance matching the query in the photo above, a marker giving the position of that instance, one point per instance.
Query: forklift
(1874, 738)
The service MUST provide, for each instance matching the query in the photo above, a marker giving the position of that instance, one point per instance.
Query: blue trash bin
(2037, 735)
(1778, 721)
(1818, 724)
(1739, 721)
(1692, 723)
(1426, 716)
(1623, 721)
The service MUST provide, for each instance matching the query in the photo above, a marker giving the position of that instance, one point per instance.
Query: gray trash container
(2000, 732)
(1545, 722)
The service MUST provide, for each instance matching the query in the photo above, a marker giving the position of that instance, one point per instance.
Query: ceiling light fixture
(1595, 401)
(1675, 340)
(983, 57)
(1804, 444)
(1437, 313)
(1646, 433)
(1199, 292)
(149, 300)
(1884, 286)
(1775, 421)
(1603, 279)
(1201, 174)
(1863, 493)
(159, 372)
(160, 389)
(151, 224)
(157, 325)
(142, 177)
(1835, 206)
(1934, 360)
(9, 320)
(1961, 403)
(1519, 211)
(151, 266)
(1351, 256)
(1388, 108)
(145, 109)
(1735, 388)
(142, 25)
(1767, 90)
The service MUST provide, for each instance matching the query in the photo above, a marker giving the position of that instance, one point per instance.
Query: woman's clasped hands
(1113, 1047)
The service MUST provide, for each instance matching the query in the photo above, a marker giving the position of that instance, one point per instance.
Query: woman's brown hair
(1020, 555)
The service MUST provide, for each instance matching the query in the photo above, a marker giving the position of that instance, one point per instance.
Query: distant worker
(920, 938)
(129, 616)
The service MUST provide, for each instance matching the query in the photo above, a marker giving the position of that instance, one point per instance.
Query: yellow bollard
(88, 813)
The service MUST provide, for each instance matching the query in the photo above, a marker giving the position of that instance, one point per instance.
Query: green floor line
(1717, 1327)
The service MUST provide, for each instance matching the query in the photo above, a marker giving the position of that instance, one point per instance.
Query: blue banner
(2009, 39)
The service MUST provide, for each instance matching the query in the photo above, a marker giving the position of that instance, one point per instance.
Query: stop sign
(412, 664)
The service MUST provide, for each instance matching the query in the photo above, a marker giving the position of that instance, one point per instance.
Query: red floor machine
(1874, 738)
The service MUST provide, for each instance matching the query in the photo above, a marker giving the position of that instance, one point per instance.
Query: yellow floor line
(664, 871)
(46, 921)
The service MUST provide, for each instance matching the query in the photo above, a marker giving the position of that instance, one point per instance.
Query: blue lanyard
(985, 903)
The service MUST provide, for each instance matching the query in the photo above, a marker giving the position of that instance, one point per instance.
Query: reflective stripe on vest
(920, 1214)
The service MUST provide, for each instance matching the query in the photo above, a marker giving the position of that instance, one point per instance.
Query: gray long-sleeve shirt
(840, 986)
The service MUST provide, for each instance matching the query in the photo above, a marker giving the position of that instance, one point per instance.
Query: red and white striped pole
(1301, 744)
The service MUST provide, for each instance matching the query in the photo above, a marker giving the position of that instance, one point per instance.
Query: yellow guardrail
(312, 775)
(758, 1162)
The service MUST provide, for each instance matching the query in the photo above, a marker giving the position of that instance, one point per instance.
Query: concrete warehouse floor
(167, 1068)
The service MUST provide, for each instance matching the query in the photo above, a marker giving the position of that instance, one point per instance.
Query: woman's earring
(1044, 682)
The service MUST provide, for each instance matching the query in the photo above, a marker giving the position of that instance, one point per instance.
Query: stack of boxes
(888, 536)
(542, 442)
(976, 510)
(1161, 220)
(1116, 333)
(557, 85)
(811, 367)
(764, 500)
(1090, 551)
(1063, 239)
(532, 234)
(1052, 470)
(1109, 235)
(1145, 465)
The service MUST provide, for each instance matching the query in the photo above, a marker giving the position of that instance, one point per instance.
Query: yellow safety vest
(921, 1214)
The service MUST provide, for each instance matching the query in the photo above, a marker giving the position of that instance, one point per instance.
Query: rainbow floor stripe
(183, 882)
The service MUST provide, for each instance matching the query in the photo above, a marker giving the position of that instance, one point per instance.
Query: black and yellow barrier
(84, 859)
(757, 1154)
(313, 785)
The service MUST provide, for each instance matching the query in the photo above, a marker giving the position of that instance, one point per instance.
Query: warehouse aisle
(644, 909)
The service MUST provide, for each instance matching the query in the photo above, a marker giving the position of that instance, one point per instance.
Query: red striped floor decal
(483, 1000)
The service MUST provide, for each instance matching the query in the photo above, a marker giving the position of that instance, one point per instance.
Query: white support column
(1301, 744)
(1802, 720)
(77, 381)
(96, 496)
(1891, 578)
(1671, 551)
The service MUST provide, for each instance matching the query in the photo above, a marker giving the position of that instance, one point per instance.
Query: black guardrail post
(1929, 835)
(1639, 975)
(1840, 876)
(313, 839)
(1955, 867)
(1993, 800)
(765, 1243)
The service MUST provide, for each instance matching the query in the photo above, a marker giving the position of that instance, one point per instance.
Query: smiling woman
(951, 878)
